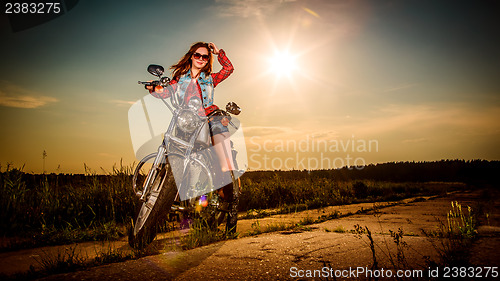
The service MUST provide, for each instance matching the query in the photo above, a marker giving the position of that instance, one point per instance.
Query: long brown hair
(184, 64)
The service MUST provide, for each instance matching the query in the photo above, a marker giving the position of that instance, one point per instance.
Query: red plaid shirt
(194, 89)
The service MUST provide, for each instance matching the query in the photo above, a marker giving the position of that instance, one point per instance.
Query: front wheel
(158, 202)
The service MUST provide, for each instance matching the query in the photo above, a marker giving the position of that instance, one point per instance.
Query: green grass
(296, 190)
(300, 226)
(273, 227)
(456, 235)
(60, 208)
(200, 234)
(339, 229)
(69, 260)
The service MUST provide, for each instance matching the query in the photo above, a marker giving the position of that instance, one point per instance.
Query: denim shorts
(216, 126)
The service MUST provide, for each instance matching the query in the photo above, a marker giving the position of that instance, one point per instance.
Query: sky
(321, 84)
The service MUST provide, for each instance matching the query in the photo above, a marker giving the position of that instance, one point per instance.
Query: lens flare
(203, 202)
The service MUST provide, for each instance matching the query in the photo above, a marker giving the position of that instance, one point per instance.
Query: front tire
(157, 205)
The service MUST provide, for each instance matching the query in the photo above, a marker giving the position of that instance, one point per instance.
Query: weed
(339, 229)
(456, 236)
(111, 255)
(257, 214)
(68, 260)
(255, 228)
(277, 227)
(360, 231)
(201, 233)
(460, 223)
(272, 227)
(400, 248)
(335, 215)
(307, 220)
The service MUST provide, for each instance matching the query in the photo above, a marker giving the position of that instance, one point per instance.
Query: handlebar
(164, 81)
(218, 112)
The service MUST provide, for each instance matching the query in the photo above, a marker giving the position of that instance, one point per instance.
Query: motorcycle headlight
(194, 103)
(187, 121)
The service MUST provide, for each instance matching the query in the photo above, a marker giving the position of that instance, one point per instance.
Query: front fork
(155, 168)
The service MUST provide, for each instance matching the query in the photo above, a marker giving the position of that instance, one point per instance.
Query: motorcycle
(183, 177)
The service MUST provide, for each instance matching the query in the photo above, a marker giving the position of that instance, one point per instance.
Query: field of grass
(66, 208)
(58, 209)
(284, 190)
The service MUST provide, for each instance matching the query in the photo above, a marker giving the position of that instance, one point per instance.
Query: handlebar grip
(162, 83)
(149, 83)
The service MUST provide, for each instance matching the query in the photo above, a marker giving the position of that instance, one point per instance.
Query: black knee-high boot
(231, 195)
(227, 189)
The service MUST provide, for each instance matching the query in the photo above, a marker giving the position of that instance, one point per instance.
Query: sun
(283, 63)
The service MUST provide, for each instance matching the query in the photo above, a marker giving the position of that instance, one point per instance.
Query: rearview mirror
(233, 108)
(156, 70)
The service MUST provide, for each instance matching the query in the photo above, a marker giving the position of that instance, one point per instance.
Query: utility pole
(44, 155)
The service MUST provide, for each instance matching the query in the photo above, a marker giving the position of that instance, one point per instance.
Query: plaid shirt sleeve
(227, 68)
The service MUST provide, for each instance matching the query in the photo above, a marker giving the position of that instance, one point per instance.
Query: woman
(192, 76)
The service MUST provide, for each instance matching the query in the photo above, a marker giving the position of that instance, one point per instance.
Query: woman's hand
(213, 48)
(158, 89)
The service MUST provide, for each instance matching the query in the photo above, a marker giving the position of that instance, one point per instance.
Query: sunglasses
(198, 56)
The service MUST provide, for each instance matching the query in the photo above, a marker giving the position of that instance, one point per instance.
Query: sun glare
(283, 64)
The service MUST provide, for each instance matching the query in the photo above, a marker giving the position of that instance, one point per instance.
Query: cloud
(337, 16)
(400, 87)
(18, 97)
(325, 135)
(316, 23)
(262, 131)
(248, 8)
(415, 140)
(122, 102)
(430, 120)
(106, 154)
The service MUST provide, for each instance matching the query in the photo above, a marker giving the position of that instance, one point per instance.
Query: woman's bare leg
(222, 145)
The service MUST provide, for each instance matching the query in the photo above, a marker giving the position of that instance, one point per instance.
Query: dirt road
(330, 247)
